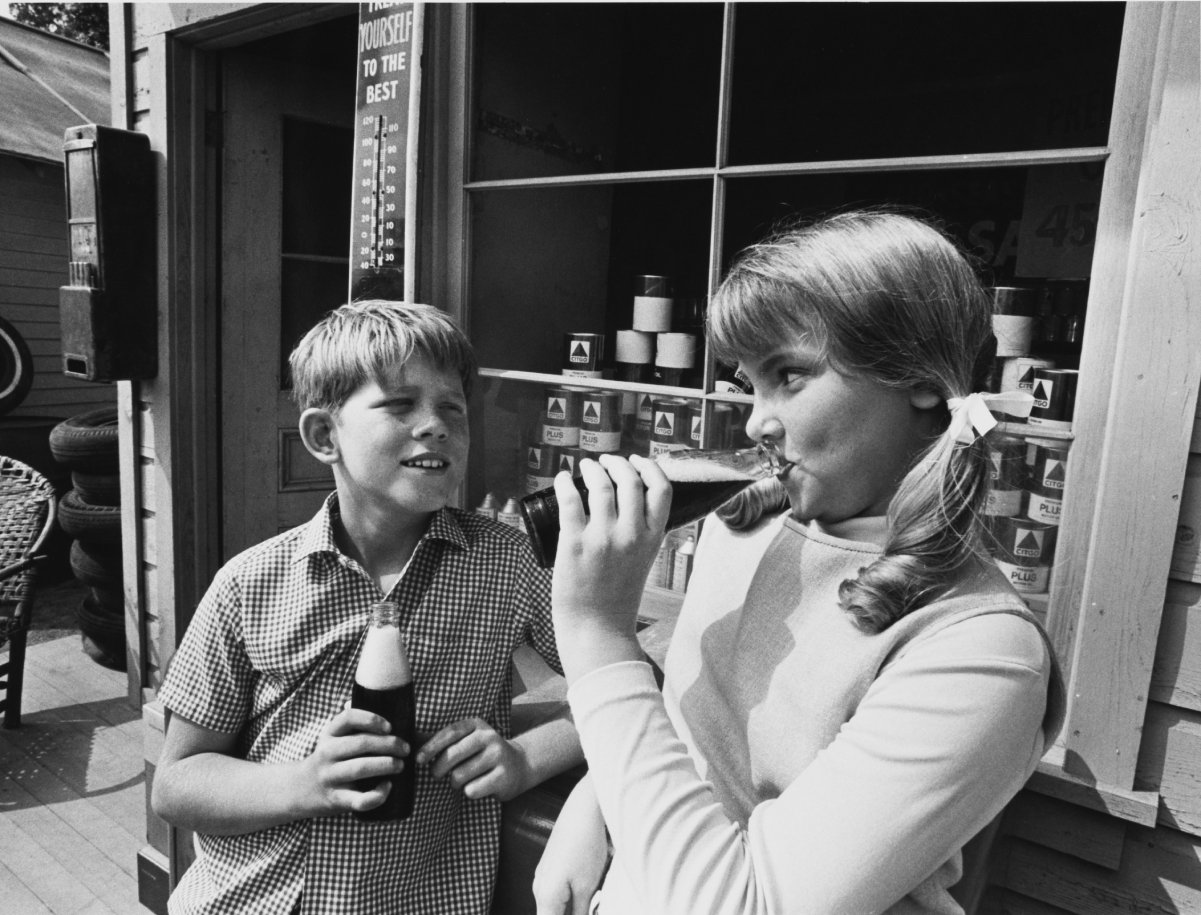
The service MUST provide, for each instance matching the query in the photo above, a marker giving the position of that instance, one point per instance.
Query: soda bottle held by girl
(700, 482)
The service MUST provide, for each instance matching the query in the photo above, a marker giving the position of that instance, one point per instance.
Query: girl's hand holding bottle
(604, 557)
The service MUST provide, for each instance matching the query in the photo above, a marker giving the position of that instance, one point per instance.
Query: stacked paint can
(600, 422)
(671, 425)
(543, 463)
(583, 354)
(1054, 393)
(634, 354)
(1024, 506)
(561, 419)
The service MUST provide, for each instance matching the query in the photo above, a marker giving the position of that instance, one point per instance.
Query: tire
(109, 599)
(103, 634)
(85, 521)
(87, 441)
(16, 367)
(97, 488)
(96, 567)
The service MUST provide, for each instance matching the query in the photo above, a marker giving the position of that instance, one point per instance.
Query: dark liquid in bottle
(398, 706)
(689, 502)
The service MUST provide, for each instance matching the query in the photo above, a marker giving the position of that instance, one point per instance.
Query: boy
(261, 751)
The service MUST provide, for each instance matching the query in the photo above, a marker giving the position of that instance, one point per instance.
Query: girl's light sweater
(793, 763)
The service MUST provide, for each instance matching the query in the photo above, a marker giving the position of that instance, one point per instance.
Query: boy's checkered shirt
(270, 655)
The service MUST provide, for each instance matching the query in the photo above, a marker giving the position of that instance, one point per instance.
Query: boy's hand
(478, 761)
(354, 744)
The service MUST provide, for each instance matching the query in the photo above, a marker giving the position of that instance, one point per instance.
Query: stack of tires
(90, 513)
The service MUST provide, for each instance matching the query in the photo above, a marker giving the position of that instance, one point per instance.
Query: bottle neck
(385, 613)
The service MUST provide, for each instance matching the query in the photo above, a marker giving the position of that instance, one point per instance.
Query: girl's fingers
(630, 491)
(600, 490)
(657, 497)
(572, 516)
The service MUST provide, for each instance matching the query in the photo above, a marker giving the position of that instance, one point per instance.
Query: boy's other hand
(477, 760)
(354, 745)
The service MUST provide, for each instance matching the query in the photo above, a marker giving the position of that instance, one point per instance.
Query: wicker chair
(27, 512)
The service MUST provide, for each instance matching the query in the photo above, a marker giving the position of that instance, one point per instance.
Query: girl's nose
(762, 424)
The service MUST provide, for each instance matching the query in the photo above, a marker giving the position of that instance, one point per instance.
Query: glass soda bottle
(700, 482)
(383, 684)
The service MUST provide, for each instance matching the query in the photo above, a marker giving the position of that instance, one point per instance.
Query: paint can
(1017, 374)
(669, 426)
(561, 420)
(1024, 550)
(675, 355)
(583, 354)
(693, 416)
(600, 422)
(544, 462)
(1007, 456)
(1054, 393)
(724, 420)
(1014, 308)
(652, 303)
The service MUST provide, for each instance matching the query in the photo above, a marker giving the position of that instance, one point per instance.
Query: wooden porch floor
(72, 796)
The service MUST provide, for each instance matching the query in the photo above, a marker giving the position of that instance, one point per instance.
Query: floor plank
(72, 790)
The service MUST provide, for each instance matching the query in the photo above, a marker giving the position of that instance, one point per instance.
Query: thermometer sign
(389, 51)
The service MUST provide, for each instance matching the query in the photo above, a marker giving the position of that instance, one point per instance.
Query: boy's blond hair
(362, 341)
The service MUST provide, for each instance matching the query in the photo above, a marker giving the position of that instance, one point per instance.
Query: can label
(1007, 455)
(1003, 502)
(669, 428)
(563, 406)
(1054, 393)
(694, 425)
(1024, 542)
(1048, 470)
(600, 442)
(1044, 509)
(561, 435)
(1026, 579)
(583, 351)
(533, 482)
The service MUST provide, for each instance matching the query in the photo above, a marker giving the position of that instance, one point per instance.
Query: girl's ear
(924, 398)
(317, 431)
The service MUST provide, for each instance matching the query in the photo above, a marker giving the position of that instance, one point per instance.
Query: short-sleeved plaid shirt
(270, 655)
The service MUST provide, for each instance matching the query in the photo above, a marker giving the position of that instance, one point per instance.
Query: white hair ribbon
(972, 417)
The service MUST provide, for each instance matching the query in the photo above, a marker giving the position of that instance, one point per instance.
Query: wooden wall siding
(1160, 874)
(33, 265)
(1068, 828)
(1007, 902)
(1168, 763)
(1176, 679)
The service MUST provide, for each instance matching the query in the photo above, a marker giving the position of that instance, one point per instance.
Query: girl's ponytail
(934, 530)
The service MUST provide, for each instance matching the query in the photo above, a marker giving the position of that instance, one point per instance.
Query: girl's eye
(794, 374)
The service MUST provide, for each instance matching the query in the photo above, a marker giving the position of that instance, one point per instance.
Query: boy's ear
(317, 432)
(924, 398)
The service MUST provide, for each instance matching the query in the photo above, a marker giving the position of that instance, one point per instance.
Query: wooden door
(285, 225)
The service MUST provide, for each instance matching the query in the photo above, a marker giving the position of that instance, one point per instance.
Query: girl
(853, 690)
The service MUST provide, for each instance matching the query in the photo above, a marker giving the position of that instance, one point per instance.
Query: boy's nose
(432, 427)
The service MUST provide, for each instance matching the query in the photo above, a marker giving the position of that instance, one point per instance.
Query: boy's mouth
(427, 462)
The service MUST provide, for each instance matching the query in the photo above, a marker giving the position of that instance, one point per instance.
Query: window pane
(1022, 223)
(827, 81)
(587, 88)
(556, 261)
(318, 171)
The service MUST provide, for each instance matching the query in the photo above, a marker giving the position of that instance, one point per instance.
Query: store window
(608, 145)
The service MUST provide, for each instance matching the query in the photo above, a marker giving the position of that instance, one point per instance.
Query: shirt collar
(318, 533)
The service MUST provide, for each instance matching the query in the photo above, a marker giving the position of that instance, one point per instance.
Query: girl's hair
(362, 341)
(888, 296)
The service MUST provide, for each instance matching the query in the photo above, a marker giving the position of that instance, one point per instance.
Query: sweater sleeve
(945, 736)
